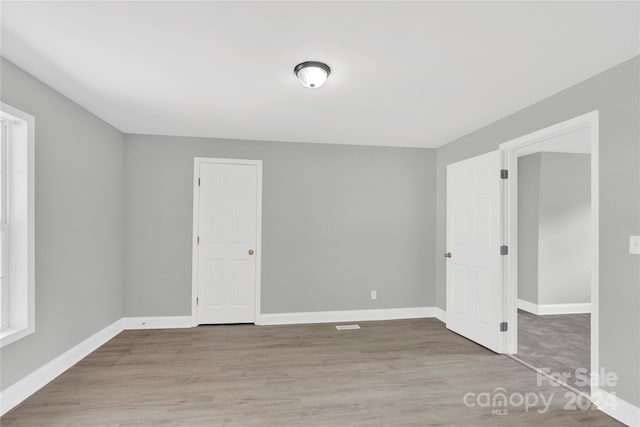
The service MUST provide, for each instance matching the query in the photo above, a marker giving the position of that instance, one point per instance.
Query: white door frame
(509, 151)
(197, 161)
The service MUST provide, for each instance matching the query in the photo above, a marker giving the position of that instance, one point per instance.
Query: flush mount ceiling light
(312, 74)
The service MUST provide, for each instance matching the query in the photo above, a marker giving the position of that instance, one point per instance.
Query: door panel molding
(474, 264)
(197, 162)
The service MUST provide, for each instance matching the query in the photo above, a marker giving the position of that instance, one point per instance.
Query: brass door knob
(250, 251)
(447, 255)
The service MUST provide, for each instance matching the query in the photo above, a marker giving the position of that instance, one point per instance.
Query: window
(17, 314)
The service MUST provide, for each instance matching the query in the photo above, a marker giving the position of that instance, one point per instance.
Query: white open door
(227, 223)
(474, 264)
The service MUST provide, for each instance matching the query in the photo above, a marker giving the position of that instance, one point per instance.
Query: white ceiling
(413, 74)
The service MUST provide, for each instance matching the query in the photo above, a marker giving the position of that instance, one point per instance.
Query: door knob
(447, 255)
(250, 251)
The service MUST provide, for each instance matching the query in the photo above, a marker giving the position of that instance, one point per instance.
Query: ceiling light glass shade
(312, 74)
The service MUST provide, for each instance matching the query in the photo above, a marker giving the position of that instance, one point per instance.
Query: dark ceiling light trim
(312, 74)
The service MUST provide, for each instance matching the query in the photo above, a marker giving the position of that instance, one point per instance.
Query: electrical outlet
(374, 294)
(347, 327)
(634, 244)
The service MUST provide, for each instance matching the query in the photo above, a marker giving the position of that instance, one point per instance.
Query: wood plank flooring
(560, 343)
(391, 373)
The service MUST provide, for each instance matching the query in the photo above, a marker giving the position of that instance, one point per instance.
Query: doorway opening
(551, 204)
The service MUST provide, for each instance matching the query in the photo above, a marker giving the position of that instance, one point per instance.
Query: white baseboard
(527, 306)
(158, 322)
(564, 308)
(346, 315)
(10, 397)
(16, 393)
(440, 314)
(546, 309)
(616, 407)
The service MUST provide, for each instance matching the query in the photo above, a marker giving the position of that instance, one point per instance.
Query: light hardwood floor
(559, 343)
(394, 373)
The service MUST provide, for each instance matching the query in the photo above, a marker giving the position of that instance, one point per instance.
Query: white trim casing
(510, 224)
(196, 207)
(16, 393)
(347, 315)
(548, 309)
(440, 314)
(617, 408)
(607, 402)
(158, 322)
(527, 306)
(27, 324)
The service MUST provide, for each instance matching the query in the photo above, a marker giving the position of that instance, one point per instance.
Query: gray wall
(615, 94)
(528, 223)
(564, 240)
(338, 221)
(554, 204)
(79, 170)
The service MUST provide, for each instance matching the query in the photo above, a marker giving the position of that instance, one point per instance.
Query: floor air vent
(346, 327)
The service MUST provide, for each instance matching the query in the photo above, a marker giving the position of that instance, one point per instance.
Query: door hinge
(504, 326)
(504, 174)
(198, 182)
(198, 239)
(197, 301)
(504, 250)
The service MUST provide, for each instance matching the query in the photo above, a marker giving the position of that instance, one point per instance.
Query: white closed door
(226, 243)
(473, 260)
